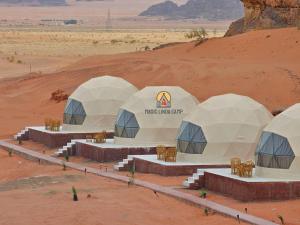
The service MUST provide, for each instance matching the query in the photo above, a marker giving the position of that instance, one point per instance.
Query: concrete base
(249, 189)
(150, 164)
(56, 139)
(109, 152)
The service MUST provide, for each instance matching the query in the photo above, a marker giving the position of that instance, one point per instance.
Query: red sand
(262, 64)
(111, 202)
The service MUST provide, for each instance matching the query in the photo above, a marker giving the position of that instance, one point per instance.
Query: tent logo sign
(163, 100)
(163, 105)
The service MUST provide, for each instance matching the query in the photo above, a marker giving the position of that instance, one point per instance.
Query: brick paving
(191, 199)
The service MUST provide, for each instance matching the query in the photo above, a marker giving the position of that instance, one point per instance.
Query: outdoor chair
(248, 168)
(170, 154)
(160, 151)
(47, 122)
(89, 138)
(100, 137)
(54, 125)
(241, 170)
(235, 163)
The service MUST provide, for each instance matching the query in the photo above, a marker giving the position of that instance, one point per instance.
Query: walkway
(35, 156)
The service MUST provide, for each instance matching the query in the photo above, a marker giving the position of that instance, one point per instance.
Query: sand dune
(262, 64)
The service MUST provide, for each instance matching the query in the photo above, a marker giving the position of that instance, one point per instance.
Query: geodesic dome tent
(152, 116)
(221, 128)
(278, 151)
(93, 106)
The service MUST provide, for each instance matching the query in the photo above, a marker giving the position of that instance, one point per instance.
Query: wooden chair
(89, 138)
(248, 167)
(170, 155)
(47, 123)
(241, 170)
(100, 137)
(235, 162)
(160, 151)
(54, 125)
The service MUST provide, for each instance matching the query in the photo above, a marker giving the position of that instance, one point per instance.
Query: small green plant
(203, 193)
(10, 153)
(132, 173)
(281, 219)
(64, 166)
(199, 34)
(75, 197)
(67, 157)
(206, 211)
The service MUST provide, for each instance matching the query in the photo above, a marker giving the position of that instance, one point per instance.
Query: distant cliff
(34, 2)
(207, 9)
(260, 14)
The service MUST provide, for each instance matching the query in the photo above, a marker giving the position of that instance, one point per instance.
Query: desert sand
(261, 64)
(14, 170)
(41, 194)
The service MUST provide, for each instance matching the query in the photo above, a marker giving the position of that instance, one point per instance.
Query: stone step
(121, 165)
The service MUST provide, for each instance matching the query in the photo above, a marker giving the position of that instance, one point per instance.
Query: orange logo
(163, 100)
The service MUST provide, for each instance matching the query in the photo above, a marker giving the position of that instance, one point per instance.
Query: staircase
(22, 135)
(195, 181)
(67, 149)
(124, 165)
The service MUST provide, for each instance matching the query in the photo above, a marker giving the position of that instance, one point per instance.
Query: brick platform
(56, 139)
(169, 169)
(109, 154)
(251, 190)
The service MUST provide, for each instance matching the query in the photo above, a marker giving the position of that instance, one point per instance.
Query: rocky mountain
(207, 9)
(34, 2)
(260, 14)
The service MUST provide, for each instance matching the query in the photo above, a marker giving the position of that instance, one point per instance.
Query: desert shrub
(64, 166)
(203, 193)
(206, 211)
(114, 41)
(147, 48)
(67, 157)
(11, 59)
(132, 173)
(75, 197)
(10, 153)
(95, 42)
(199, 34)
(19, 61)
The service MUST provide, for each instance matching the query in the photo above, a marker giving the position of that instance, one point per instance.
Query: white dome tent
(93, 106)
(152, 116)
(278, 152)
(221, 128)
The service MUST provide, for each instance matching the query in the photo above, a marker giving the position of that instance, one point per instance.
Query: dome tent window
(191, 139)
(274, 151)
(74, 113)
(126, 125)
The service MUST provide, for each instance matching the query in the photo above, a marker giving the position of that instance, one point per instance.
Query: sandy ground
(48, 50)
(39, 194)
(265, 209)
(262, 64)
(270, 210)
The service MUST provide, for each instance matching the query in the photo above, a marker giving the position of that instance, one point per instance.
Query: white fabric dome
(278, 152)
(221, 128)
(152, 116)
(93, 106)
